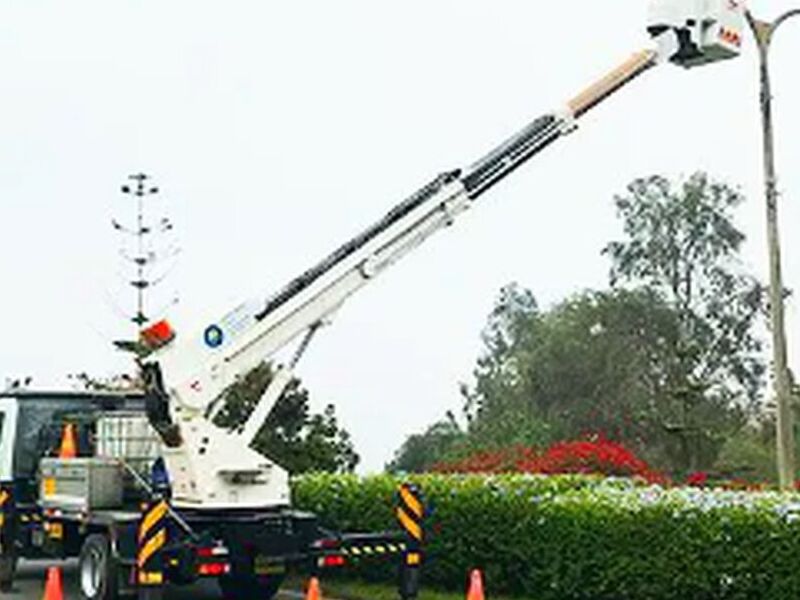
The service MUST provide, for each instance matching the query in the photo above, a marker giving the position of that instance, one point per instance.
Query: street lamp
(141, 283)
(763, 32)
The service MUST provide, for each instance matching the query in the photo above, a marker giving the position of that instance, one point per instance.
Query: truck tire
(98, 569)
(249, 587)
(8, 566)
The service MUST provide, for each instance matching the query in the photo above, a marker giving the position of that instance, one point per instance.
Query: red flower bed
(583, 456)
(601, 456)
(697, 479)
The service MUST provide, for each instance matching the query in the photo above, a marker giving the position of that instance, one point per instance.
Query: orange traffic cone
(69, 445)
(54, 588)
(313, 592)
(475, 591)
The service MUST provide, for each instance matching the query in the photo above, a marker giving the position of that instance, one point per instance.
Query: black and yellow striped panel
(152, 537)
(411, 501)
(150, 547)
(30, 517)
(153, 516)
(410, 511)
(409, 525)
(381, 549)
(151, 578)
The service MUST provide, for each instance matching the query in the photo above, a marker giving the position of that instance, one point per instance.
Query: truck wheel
(249, 587)
(98, 569)
(8, 566)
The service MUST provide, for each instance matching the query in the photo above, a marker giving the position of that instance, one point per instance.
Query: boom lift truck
(229, 507)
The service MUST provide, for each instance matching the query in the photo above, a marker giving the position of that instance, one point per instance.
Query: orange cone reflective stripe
(475, 591)
(54, 588)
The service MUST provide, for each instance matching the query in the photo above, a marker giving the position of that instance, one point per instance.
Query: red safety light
(334, 560)
(158, 334)
(207, 551)
(214, 569)
(217, 567)
(327, 543)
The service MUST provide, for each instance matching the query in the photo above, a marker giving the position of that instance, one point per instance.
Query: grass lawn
(356, 590)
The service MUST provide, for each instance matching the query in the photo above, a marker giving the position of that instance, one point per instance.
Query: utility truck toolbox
(80, 483)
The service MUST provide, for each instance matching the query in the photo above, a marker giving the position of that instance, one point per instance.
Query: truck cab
(30, 431)
(31, 423)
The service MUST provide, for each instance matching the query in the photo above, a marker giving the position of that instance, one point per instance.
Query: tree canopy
(291, 435)
(681, 242)
(420, 451)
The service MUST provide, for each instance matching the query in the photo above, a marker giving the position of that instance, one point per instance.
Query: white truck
(229, 507)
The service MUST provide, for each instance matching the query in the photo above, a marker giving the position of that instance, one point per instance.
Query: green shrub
(747, 455)
(575, 536)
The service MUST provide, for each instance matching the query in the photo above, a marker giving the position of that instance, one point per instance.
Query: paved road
(30, 585)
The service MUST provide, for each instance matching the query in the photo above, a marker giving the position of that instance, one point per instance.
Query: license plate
(56, 531)
(262, 565)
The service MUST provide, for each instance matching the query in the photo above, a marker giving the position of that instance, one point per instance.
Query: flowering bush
(697, 479)
(600, 456)
(582, 536)
(583, 456)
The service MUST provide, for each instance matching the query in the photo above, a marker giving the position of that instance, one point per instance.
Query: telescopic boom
(211, 468)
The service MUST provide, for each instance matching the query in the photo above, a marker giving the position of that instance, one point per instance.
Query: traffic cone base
(54, 587)
(475, 591)
(313, 592)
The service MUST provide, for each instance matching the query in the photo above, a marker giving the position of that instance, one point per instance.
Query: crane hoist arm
(186, 378)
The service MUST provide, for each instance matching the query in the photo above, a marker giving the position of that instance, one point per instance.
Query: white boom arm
(214, 468)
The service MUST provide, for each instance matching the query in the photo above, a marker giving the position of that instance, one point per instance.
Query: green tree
(422, 450)
(681, 243)
(498, 407)
(749, 454)
(293, 437)
(595, 363)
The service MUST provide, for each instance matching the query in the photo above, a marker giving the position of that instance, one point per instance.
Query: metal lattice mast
(141, 282)
(147, 255)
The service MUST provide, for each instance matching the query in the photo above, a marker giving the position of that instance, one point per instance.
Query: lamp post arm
(764, 30)
(795, 12)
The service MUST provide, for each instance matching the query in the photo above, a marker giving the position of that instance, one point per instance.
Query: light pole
(141, 283)
(763, 32)
(151, 258)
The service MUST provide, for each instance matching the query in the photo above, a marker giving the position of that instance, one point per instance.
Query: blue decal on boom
(213, 336)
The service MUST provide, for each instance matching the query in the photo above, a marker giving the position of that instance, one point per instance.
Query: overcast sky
(278, 130)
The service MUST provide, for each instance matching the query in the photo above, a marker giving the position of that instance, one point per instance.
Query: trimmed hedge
(576, 536)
